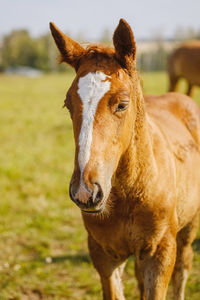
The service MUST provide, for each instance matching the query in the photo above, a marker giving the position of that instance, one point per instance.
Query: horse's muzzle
(86, 199)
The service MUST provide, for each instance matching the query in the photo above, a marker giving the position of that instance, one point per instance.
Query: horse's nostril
(70, 192)
(85, 198)
(77, 201)
(90, 202)
(99, 194)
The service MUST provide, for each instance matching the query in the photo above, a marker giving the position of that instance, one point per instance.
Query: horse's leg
(109, 270)
(155, 269)
(189, 90)
(173, 83)
(184, 258)
(140, 280)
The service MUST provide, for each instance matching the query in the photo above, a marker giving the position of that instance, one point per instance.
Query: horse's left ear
(125, 46)
(70, 51)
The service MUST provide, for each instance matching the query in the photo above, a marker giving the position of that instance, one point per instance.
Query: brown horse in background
(184, 62)
(136, 173)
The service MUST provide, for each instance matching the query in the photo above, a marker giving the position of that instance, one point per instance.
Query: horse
(184, 62)
(136, 175)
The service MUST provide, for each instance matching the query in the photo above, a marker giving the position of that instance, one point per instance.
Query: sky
(148, 18)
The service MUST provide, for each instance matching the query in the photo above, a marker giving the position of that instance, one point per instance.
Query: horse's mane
(94, 50)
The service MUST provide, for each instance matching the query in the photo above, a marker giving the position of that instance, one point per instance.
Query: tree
(183, 34)
(18, 49)
(106, 37)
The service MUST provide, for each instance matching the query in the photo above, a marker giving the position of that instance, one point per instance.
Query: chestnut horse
(136, 173)
(184, 62)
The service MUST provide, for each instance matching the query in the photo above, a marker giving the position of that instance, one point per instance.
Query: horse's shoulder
(178, 104)
(177, 107)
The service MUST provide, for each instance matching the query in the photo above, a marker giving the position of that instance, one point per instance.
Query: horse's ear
(70, 51)
(125, 46)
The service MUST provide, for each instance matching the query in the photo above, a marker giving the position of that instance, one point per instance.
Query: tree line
(19, 48)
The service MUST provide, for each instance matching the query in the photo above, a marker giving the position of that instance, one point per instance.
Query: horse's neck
(137, 165)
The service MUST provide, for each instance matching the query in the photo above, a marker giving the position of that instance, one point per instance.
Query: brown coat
(136, 174)
(184, 62)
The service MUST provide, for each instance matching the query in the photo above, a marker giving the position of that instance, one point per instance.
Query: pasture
(43, 248)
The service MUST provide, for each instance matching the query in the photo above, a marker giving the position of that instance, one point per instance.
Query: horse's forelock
(98, 52)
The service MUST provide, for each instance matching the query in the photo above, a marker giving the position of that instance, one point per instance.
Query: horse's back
(185, 62)
(177, 117)
(178, 108)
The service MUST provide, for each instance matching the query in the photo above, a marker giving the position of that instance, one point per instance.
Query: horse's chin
(101, 209)
(97, 211)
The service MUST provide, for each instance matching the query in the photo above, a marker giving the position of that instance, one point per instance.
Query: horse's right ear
(125, 46)
(70, 51)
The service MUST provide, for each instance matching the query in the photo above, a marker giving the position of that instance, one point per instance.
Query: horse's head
(102, 108)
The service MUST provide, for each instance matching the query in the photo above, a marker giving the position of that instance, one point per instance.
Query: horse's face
(102, 110)
(102, 114)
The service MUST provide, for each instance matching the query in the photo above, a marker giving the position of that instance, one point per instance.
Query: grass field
(43, 249)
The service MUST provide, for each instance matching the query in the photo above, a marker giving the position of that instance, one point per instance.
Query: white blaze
(91, 88)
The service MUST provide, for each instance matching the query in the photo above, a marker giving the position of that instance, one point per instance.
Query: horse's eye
(122, 106)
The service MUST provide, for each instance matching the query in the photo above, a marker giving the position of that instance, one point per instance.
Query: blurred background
(43, 244)
(26, 44)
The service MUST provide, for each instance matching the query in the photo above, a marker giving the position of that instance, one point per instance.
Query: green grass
(43, 249)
